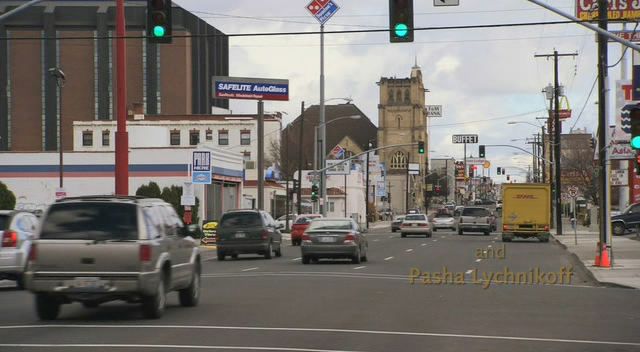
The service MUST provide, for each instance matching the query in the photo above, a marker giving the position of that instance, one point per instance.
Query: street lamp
(60, 78)
(319, 156)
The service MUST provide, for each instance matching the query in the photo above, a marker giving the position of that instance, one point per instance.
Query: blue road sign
(201, 177)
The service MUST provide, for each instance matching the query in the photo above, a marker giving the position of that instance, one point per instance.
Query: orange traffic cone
(597, 261)
(604, 260)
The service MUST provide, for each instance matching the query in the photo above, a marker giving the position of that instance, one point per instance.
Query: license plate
(241, 235)
(327, 239)
(86, 282)
(414, 225)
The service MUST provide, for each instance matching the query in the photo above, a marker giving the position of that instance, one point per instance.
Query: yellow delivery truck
(526, 211)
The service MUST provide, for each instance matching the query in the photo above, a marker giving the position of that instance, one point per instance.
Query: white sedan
(415, 224)
(443, 221)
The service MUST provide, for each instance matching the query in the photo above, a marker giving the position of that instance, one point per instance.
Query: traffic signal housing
(637, 163)
(314, 193)
(401, 21)
(159, 21)
(481, 151)
(499, 171)
(420, 147)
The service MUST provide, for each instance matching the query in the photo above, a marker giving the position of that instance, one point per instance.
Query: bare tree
(579, 169)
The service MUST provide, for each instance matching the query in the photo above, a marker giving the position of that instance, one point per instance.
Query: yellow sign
(486, 164)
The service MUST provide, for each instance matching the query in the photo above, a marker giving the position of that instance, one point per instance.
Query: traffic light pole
(300, 140)
(122, 138)
(603, 125)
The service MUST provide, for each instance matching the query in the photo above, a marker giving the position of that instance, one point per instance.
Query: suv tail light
(350, 238)
(10, 239)
(505, 227)
(145, 253)
(546, 227)
(264, 234)
(306, 238)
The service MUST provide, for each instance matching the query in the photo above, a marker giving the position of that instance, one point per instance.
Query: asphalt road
(280, 304)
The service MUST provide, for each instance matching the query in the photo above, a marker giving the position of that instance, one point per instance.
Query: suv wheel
(47, 307)
(618, 229)
(267, 254)
(221, 255)
(356, 259)
(189, 296)
(486, 233)
(306, 259)
(20, 281)
(153, 306)
(278, 251)
(460, 232)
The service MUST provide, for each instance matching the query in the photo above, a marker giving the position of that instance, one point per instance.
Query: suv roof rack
(105, 197)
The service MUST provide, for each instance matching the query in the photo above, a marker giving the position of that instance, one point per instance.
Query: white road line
(442, 236)
(294, 259)
(392, 236)
(199, 347)
(359, 267)
(489, 246)
(388, 258)
(468, 271)
(376, 240)
(288, 329)
(478, 260)
(424, 244)
(493, 241)
(409, 250)
(249, 269)
(435, 240)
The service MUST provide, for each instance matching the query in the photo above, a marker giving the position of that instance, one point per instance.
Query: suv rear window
(475, 212)
(240, 220)
(4, 221)
(443, 215)
(91, 221)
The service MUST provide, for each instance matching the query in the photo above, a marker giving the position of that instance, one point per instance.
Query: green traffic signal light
(401, 30)
(420, 147)
(635, 142)
(159, 31)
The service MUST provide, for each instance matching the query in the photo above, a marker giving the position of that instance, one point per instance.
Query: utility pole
(300, 151)
(366, 192)
(260, 155)
(603, 125)
(122, 137)
(406, 197)
(557, 127)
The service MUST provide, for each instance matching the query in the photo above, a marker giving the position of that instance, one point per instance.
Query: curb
(576, 260)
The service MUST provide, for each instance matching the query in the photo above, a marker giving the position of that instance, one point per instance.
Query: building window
(194, 137)
(223, 137)
(399, 95)
(105, 138)
(174, 137)
(399, 118)
(245, 137)
(209, 135)
(87, 138)
(407, 96)
(248, 163)
(390, 96)
(331, 207)
(398, 161)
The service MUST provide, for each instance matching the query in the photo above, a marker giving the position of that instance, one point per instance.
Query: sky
(483, 78)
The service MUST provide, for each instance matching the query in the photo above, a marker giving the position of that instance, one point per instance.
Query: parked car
(395, 224)
(97, 249)
(457, 211)
(17, 230)
(248, 231)
(281, 222)
(415, 224)
(474, 219)
(443, 221)
(334, 238)
(629, 219)
(300, 225)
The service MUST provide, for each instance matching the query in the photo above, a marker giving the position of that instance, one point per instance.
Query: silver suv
(97, 249)
(474, 219)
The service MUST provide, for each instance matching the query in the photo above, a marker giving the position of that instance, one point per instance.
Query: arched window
(399, 96)
(390, 96)
(407, 96)
(399, 118)
(398, 161)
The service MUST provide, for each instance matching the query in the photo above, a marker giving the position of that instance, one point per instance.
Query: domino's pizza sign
(250, 88)
(322, 10)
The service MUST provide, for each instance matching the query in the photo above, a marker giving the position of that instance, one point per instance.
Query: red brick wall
(175, 76)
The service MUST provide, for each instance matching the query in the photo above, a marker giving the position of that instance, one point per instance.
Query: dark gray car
(248, 231)
(334, 238)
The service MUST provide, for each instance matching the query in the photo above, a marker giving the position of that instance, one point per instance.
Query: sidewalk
(379, 225)
(625, 255)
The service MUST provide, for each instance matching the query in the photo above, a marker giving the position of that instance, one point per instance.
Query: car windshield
(475, 212)
(305, 220)
(90, 221)
(4, 221)
(248, 219)
(399, 218)
(330, 225)
(415, 217)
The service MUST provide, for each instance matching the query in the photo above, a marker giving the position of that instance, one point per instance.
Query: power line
(585, 102)
(489, 119)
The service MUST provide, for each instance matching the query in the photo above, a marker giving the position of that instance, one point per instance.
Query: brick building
(76, 37)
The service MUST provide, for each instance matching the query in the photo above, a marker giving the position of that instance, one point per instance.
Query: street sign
(188, 197)
(464, 138)
(629, 35)
(342, 169)
(337, 152)
(620, 177)
(437, 3)
(322, 10)
(250, 88)
(476, 161)
(414, 169)
(201, 167)
(619, 10)
(486, 164)
(572, 191)
(434, 110)
(61, 193)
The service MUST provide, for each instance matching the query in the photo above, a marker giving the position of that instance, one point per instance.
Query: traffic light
(401, 21)
(634, 116)
(471, 170)
(499, 171)
(314, 192)
(481, 151)
(438, 190)
(637, 162)
(159, 21)
(420, 147)
(508, 178)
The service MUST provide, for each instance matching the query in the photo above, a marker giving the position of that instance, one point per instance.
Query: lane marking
(199, 347)
(294, 259)
(442, 236)
(478, 260)
(409, 250)
(435, 240)
(424, 244)
(376, 240)
(388, 258)
(249, 269)
(288, 329)
(392, 236)
(468, 271)
(489, 246)
(359, 267)
(493, 241)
